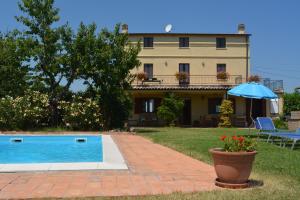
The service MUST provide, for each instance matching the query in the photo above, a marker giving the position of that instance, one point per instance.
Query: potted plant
(233, 162)
(254, 78)
(182, 77)
(141, 76)
(222, 76)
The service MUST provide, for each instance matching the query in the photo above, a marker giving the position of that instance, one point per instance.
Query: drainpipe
(247, 57)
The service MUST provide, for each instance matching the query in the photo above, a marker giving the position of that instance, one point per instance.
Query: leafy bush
(7, 114)
(226, 110)
(291, 103)
(280, 123)
(28, 111)
(170, 109)
(81, 114)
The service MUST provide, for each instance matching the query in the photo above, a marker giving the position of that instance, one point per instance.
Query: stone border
(112, 159)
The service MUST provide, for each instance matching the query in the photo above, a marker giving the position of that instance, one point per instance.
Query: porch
(201, 108)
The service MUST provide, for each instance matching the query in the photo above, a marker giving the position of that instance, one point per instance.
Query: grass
(278, 169)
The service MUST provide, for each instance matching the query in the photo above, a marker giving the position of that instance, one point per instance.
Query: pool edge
(114, 161)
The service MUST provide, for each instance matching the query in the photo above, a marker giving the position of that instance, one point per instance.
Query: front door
(186, 113)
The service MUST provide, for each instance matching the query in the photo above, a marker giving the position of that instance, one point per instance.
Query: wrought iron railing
(192, 80)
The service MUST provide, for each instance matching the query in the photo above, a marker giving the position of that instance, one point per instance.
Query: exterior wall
(202, 55)
(199, 102)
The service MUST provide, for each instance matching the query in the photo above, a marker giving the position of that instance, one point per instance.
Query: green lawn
(277, 168)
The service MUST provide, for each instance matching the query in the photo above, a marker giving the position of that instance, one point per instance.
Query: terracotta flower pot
(232, 167)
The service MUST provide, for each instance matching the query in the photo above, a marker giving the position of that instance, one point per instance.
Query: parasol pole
(252, 121)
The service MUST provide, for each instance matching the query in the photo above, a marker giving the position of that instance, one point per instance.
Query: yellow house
(198, 67)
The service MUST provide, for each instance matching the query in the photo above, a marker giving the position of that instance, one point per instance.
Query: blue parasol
(252, 90)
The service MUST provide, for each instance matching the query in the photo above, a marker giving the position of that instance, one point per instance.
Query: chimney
(241, 29)
(124, 28)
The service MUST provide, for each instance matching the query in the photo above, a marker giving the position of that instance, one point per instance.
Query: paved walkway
(153, 169)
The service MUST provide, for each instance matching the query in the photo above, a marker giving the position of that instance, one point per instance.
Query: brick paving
(153, 169)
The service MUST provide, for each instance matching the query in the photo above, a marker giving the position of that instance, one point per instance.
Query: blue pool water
(50, 149)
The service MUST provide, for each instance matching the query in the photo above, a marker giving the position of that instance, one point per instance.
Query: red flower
(241, 139)
(223, 137)
(235, 137)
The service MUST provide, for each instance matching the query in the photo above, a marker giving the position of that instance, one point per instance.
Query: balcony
(190, 82)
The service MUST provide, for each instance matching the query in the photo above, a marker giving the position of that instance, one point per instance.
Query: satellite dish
(168, 28)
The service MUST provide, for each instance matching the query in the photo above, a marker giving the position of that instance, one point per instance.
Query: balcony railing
(191, 80)
(275, 85)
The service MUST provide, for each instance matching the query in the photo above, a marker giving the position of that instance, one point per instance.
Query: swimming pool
(59, 152)
(50, 149)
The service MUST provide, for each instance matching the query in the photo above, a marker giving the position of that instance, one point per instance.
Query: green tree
(170, 108)
(56, 50)
(110, 57)
(291, 102)
(226, 109)
(14, 77)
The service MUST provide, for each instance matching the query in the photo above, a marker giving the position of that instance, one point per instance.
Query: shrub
(254, 78)
(280, 123)
(170, 109)
(291, 103)
(7, 114)
(28, 111)
(81, 114)
(226, 110)
(222, 76)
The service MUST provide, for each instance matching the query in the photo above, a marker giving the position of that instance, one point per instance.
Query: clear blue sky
(274, 25)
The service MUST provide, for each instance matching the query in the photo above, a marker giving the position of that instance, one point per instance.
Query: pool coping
(112, 159)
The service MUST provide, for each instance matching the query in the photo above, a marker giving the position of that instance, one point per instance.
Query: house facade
(190, 65)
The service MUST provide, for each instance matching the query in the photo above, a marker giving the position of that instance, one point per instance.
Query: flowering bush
(238, 144)
(28, 111)
(7, 114)
(81, 114)
(226, 109)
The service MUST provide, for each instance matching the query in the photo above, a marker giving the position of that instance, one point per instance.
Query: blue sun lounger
(266, 126)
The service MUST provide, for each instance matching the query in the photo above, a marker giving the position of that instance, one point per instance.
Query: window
(148, 69)
(220, 43)
(214, 105)
(146, 105)
(221, 68)
(148, 41)
(184, 42)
